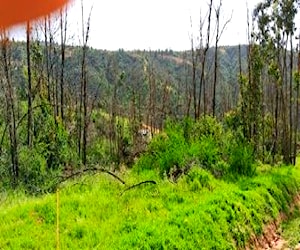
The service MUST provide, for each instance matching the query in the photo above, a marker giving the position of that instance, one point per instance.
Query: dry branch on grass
(139, 184)
(102, 170)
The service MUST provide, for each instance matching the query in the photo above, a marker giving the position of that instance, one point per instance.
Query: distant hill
(106, 67)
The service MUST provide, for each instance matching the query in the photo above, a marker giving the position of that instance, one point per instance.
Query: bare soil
(272, 234)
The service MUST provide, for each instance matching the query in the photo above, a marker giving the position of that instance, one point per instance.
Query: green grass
(291, 230)
(199, 212)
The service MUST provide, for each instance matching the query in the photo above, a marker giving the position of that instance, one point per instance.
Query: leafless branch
(139, 184)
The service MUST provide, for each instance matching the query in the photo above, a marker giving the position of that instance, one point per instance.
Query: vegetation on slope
(197, 212)
(205, 192)
(291, 231)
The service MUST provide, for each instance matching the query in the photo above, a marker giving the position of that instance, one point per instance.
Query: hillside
(175, 68)
(195, 149)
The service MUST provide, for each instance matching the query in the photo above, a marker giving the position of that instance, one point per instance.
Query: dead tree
(10, 105)
(63, 36)
(83, 106)
(219, 33)
(29, 89)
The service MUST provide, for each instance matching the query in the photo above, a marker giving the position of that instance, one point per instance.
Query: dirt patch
(271, 237)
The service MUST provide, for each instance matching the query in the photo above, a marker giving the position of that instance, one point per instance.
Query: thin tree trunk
(85, 37)
(194, 84)
(203, 64)
(297, 106)
(47, 55)
(216, 58)
(29, 94)
(11, 116)
(63, 29)
(292, 156)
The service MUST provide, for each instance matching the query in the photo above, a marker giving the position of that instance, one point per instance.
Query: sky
(156, 24)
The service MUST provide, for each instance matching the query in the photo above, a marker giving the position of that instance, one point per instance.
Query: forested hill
(139, 71)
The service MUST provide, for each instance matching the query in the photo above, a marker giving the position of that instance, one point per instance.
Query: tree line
(69, 106)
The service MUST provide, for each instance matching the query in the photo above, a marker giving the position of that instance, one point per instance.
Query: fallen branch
(139, 184)
(91, 170)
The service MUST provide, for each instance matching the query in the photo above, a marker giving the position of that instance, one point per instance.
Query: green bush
(206, 151)
(34, 171)
(241, 159)
(207, 126)
(198, 179)
(203, 142)
(54, 138)
(166, 151)
(98, 151)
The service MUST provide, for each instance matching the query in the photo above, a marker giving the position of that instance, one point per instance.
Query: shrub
(198, 179)
(203, 142)
(207, 126)
(34, 171)
(166, 150)
(99, 151)
(206, 151)
(241, 159)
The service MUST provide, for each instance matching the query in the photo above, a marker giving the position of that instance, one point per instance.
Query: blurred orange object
(18, 11)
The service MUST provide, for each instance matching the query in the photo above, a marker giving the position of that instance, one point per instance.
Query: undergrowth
(204, 143)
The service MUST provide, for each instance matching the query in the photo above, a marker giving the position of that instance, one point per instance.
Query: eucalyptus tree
(274, 33)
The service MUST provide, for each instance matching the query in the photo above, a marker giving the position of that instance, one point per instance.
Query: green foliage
(42, 162)
(199, 212)
(204, 143)
(206, 151)
(291, 230)
(197, 179)
(166, 150)
(241, 159)
(51, 136)
(207, 126)
(98, 151)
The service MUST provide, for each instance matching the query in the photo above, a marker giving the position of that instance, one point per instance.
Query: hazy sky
(155, 24)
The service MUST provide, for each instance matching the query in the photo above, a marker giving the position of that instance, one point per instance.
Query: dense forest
(208, 119)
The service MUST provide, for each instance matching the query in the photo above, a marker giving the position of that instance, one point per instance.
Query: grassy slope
(197, 213)
(291, 231)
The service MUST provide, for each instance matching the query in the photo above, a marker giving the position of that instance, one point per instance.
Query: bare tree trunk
(85, 38)
(285, 102)
(194, 83)
(215, 77)
(218, 10)
(297, 107)
(10, 108)
(187, 88)
(218, 36)
(203, 64)
(63, 30)
(292, 156)
(29, 94)
(47, 55)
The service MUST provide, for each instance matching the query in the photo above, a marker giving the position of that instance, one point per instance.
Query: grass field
(198, 212)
